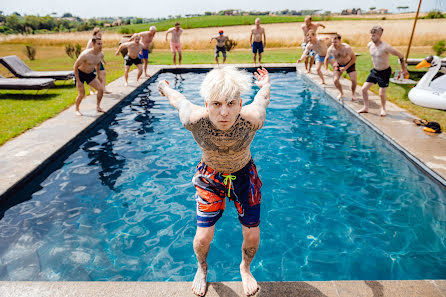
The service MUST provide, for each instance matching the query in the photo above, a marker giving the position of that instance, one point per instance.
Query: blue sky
(162, 8)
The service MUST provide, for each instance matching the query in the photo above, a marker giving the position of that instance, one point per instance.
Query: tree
(67, 15)
(372, 8)
(13, 23)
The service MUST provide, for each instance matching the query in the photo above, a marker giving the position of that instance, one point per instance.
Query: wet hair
(152, 28)
(95, 39)
(337, 36)
(96, 31)
(177, 24)
(377, 29)
(225, 82)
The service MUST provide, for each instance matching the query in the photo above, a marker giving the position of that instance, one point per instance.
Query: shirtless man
(175, 43)
(134, 47)
(307, 26)
(221, 46)
(257, 46)
(380, 74)
(224, 130)
(345, 60)
(320, 48)
(101, 76)
(87, 61)
(146, 40)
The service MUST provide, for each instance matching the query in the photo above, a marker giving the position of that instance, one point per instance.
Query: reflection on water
(337, 201)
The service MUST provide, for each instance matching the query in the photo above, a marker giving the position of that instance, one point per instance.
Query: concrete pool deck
(25, 153)
(418, 288)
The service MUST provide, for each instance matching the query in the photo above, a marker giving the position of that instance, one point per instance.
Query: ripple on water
(337, 201)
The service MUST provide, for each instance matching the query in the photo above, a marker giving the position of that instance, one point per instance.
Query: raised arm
(256, 111)
(321, 25)
(189, 113)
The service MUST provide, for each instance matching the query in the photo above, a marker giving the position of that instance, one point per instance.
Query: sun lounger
(25, 83)
(19, 69)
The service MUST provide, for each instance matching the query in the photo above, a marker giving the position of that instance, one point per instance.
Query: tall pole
(413, 31)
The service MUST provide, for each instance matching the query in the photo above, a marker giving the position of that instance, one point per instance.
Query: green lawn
(217, 21)
(20, 111)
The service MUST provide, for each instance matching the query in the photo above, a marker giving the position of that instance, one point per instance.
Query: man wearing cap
(380, 74)
(220, 46)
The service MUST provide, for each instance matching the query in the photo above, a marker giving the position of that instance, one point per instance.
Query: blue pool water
(338, 203)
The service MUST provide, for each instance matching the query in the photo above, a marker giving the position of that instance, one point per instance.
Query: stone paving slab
(417, 288)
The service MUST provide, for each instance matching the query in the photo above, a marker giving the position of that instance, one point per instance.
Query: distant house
(378, 11)
(117, 22)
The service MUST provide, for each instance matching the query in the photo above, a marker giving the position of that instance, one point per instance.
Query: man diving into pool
(224, 130)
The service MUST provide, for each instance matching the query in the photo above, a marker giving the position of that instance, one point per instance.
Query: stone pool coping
(34, 148)
(381, 288)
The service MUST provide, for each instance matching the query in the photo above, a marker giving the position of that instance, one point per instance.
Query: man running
(224, 131)
(307, 26)
(320, 48)
(175, 43)
(101, 76)
(258, 34)
(146, 40)
(87, 61)
(380, 74)
(220, 46)
(345, 61)
(134, 47)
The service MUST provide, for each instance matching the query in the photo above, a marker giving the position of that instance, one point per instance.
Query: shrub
(434, 14)
(125, 30)
(439, 47)
(73, 51)
(230, 44)
(30, 52)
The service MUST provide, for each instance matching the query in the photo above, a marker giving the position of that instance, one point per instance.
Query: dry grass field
(396, 32)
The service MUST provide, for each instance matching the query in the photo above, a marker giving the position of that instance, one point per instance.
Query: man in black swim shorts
(345, 60)
(88, 60)
(134, 47)
(220, 46)
(380, 74)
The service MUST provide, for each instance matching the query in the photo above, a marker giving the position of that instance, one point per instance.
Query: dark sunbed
(19, 69)
(25, 83)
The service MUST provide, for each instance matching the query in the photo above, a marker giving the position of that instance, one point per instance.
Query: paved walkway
(419, 288)
(26, 152)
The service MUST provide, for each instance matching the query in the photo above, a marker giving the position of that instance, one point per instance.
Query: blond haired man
(224, 130)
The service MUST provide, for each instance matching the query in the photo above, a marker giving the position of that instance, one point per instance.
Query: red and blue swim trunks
(243, 187)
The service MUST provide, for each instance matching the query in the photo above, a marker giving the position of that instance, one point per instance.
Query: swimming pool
(339, 203)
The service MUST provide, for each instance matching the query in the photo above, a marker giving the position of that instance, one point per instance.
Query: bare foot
(78, 113)
(340, 97)
(383, 112)
(126, 84)
(354, 98)
(322, 82)
(363, 110)
(199, 284)
(107, 92)
(93, 92)
(250, 286)
(308, 71)
(98, 109)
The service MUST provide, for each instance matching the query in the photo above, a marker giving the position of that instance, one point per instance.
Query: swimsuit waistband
(241, 171)
(387, 69)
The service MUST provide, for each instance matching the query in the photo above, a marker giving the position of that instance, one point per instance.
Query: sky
(163, 8)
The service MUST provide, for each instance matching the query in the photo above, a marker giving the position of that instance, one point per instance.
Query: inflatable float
(430, 93)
